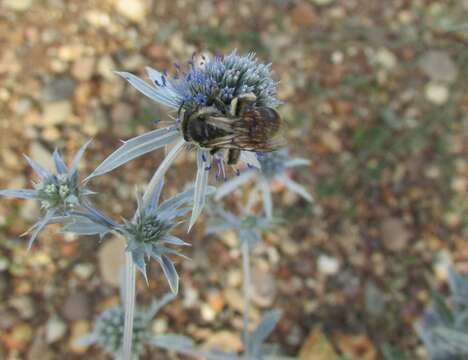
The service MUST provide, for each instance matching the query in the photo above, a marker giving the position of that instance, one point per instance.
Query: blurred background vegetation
(375, 94)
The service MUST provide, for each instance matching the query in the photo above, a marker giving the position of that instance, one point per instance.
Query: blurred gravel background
(375, 95)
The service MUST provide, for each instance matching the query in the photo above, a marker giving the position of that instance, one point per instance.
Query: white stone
(17, 5)
(328, 265)
(4, 263)
(134, 10)
(159, 326)
(111, 259)
(207, 313)
(386, 58)
(337, 57)
(441, 265)
(322, 2)
(54, 113)
(84, 271)
(437, 94)
(55, 330)
(106, 68)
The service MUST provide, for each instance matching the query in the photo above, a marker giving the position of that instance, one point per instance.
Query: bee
(240, 126)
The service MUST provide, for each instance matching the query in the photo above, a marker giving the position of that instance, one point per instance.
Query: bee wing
(258, 129)
(221, 122)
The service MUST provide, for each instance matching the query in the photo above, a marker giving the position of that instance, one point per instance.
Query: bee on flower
(223, 105)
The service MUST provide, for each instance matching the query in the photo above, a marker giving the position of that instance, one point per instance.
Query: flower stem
(161, 171)
(129, 305)
(246, 288)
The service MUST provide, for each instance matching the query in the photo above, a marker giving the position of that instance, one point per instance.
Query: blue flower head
(216, 81)
(224, 78)
(58, 192)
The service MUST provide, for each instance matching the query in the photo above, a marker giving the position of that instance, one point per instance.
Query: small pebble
(55, 329)
(328, 265)
(437, 94)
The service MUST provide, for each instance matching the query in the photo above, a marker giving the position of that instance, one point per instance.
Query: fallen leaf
(357, 347)
(317, 347)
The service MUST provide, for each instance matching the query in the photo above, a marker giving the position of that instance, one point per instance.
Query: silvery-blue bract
(274, 166)
(59, 192)
(248, 225)
(444, 327)
(221, 78)
(148, 234)
(256, 348)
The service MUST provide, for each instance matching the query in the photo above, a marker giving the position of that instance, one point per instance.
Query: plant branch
(246, 288)
(129, 305)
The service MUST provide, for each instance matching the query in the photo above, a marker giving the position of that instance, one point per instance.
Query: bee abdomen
(261, 122)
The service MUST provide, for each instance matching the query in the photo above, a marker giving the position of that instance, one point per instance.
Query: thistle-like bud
(109, 329)
(58, 192)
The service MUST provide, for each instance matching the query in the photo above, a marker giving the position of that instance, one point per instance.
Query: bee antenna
(180, 108)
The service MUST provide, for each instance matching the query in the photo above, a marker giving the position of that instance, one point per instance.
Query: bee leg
(233, 156)
(214, 151)
(180, 108)
(243, 102)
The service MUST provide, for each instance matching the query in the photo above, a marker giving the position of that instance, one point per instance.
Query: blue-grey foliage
(256, 348)
(444, 327)
(108, 328)
(274, 167)
(148, 233)
(247, 225)
(59, 192)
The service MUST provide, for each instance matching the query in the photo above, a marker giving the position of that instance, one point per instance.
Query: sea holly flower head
(275, 168)
(223, 78)
(58, 192)
(149, 235)
(211, 82)
(108, 329)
